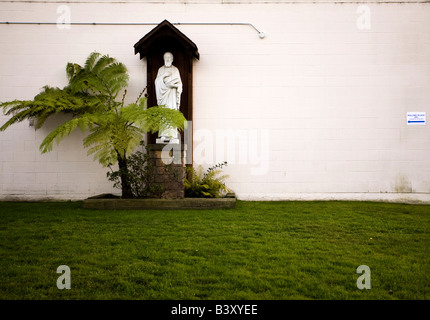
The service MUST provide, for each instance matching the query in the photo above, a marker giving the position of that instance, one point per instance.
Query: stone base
(168, 161)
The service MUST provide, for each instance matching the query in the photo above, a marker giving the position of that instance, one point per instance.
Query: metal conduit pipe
(260, 33)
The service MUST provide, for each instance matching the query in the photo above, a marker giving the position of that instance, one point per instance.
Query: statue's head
(168, 59)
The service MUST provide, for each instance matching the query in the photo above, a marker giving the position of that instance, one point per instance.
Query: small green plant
(209, 184)
(139, 174)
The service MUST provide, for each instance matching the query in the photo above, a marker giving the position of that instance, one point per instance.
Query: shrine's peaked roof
(165, 29)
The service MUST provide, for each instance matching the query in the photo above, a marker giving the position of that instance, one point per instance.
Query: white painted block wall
(315, 110)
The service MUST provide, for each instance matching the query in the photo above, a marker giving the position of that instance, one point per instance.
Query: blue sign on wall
(416, 118)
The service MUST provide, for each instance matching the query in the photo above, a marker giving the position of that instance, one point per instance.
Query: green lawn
(260, 250)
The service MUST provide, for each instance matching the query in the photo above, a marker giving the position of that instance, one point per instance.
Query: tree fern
(115, 129)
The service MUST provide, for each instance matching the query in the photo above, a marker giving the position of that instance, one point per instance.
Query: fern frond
(100, 134)
(155, 118)
(143, 103)
(115, 76)
(62, 131)
(102, 76)
(207, 185)
(72, 69)
(50, 101)
(90, 62)
(103, 153)
(101, 64)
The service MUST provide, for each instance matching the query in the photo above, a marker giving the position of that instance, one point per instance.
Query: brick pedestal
(168, 161)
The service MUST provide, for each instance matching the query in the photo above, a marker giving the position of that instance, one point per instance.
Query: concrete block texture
(314, 110)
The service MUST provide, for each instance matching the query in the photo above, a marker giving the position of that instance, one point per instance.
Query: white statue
(168, 88)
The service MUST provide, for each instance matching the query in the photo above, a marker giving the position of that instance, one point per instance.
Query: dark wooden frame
(163, 38)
